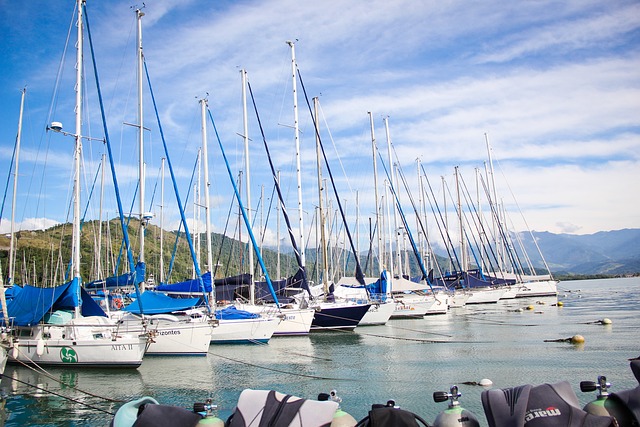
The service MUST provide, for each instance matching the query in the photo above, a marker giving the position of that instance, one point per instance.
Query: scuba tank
(340, 418)
(206, 410)
(454, 415)
(604, 404)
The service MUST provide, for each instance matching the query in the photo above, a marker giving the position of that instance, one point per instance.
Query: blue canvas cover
(191, 286)
(158, 303)
(378, 289)
(127, 279)
(31, 304)
(11, 292)
(232, 313)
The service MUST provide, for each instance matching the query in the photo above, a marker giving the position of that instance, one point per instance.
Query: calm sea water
(405, 360)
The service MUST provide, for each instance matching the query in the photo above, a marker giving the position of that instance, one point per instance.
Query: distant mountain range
(38, 260)
(603, 253)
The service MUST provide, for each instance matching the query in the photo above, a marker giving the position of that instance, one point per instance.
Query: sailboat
(172, 331)
(330, 313)
(375, 291)
(526, 285)
(293, 320)
(238, 326)
(5, 337)
(62, 325)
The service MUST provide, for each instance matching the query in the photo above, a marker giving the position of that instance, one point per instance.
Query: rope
(315, 377)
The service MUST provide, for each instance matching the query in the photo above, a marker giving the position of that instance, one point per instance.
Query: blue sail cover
(232, 313)
(189, 286)
(31, 304)
(378, 289)
(157, 303)
(127, 279)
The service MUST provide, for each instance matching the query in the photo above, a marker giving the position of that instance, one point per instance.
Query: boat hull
(244, 331)
(171, 335)
(122, 351)
(543, 288)
(378, 314)
(332, 316)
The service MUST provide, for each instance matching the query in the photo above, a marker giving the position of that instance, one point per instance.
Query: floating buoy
(530, 307)
(485, 382)
(577, 339)
(606, 321)
(560, 304)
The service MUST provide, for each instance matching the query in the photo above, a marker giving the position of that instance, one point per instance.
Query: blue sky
(554, 85)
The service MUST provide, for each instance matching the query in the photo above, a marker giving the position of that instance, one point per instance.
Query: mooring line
(315, 377)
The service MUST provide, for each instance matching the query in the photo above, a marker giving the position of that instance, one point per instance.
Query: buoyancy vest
(545, 405)
(268, 408)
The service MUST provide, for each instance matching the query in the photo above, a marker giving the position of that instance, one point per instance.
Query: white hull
(440, 305)
(171, 335)
(378, 314)
(485, 295)
(543, 288)
(411, 306)
(459, 298)
(3, 359)
(511, 291)
(293, 321)
(244, 331)
(78, 345)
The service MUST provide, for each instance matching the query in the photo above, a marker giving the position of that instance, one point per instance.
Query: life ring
(118, 303)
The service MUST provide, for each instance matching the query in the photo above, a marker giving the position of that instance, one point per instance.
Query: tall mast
(278, 233)
(494, 196)
(141, 177)
(12, 245)
(323, 238)
(76, 157)
(245, 136)
(160, 280)
(395, 212)
(463, 251)
(207, 184)
(374, 150)
(297, 139)
(99, 251)
(389, 205)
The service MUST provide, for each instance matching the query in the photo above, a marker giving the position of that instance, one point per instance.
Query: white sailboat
(232, 327)
(293, 320)
(58, 332)
(172, 334)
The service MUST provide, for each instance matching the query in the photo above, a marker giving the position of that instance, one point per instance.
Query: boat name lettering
(541, 413)
(124, 347)
(291, 317)
(172, 332)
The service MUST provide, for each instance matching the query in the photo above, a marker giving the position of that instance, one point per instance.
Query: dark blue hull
(338, 317)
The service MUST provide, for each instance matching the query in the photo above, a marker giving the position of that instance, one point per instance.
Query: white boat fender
(40, 347)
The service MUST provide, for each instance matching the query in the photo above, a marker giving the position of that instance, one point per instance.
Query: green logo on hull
(68, 355)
